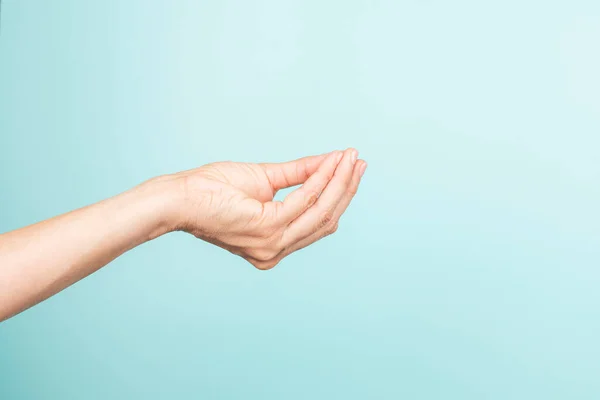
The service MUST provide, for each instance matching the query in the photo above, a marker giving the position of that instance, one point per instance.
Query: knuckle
(326, 218)
(311, 197)
(352, 190)
(301, 172)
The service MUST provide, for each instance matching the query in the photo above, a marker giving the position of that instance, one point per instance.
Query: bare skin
(228, 204)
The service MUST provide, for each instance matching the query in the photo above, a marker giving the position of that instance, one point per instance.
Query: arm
(40, 260)
(227, 204)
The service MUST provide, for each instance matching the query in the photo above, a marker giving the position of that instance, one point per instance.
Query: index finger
(323, 211)
(302, 198)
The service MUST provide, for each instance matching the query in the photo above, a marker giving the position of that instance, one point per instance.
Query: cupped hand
(232, 204)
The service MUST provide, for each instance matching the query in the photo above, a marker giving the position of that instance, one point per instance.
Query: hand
(231, 204)
(228, 204)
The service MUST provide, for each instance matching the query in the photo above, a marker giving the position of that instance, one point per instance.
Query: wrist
(162, 198)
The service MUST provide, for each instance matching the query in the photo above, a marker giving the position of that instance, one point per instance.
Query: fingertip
(362, 167)
(353, 155)
(338, 156)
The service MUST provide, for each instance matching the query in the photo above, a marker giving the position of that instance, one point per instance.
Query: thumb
(292, 173)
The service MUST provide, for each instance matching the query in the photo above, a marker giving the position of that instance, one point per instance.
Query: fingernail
(354, 156)
(363, 168)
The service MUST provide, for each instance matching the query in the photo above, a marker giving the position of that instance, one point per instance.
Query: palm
(231, 204)
(229, 194)
(247, 179)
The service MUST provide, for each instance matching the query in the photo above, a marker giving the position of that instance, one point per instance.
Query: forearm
(40, 260)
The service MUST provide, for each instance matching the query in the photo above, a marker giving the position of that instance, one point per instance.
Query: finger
(302, 198)
(331, 228)
(319, 215)
(357, 172)
(292, 173)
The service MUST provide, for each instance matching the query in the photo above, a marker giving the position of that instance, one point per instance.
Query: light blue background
(468, 267)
